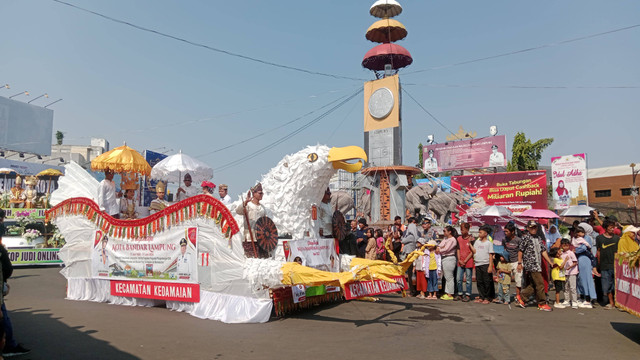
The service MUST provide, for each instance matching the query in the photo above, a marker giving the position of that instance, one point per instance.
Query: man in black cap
(184, 261)
(496, 158)
(530, 254)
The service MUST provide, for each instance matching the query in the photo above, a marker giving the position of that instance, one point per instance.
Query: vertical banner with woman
(569, 179)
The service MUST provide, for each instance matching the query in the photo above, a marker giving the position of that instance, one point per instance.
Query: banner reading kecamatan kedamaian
(166, 256)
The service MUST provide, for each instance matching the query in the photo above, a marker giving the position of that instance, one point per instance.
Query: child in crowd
(380, 249)
(482, 250)
(504, 280)
(420, 267)
(433, 262)
(370, 250)
(571, 274)
(578, 238)
(557, 274)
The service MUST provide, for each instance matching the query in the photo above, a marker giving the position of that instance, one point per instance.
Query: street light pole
(634, 190)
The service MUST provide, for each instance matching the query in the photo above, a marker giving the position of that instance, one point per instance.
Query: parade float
(189, 256)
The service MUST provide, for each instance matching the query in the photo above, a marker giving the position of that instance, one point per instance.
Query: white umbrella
(385, 9)
(494, 211)
(174, 167)
(578, 211)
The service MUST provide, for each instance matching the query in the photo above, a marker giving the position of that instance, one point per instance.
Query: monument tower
(388, 178)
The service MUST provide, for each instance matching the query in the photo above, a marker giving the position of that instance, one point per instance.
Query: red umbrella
(376, 58)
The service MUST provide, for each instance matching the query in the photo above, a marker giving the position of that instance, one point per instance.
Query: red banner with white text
(359, 289)
(627, 286)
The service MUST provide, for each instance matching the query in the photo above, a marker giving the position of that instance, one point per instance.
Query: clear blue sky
(152, 92)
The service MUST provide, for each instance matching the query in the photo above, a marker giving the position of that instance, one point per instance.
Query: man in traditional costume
(159, 203)
(30, 195)
(224, 194)
(325, 215)
(16, 200)
(107, 195)
(128, 206)
(254, 210)
(187, 191)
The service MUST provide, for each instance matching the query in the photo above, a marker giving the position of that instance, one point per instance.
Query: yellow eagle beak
(340, 156)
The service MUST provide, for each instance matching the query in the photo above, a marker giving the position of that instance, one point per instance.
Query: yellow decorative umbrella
(386, 30)
(122, 159)
(50, 172)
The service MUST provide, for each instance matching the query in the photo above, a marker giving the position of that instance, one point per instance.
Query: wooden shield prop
(266, 234)
(338, 226)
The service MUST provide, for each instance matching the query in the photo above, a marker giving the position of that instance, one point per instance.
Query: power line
(270, 130)
(288, 136)
(522, 86)
(207, 47)
(427, 111)
(526, 50)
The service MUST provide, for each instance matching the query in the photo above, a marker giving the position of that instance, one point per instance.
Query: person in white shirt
(223, 191)
(187, 191)
(107, 195)
(184, 261)
(254, 211)
(496, 158)
(325, 215)
(431, 163)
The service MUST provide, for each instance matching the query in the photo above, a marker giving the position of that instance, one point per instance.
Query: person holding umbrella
(187, 191)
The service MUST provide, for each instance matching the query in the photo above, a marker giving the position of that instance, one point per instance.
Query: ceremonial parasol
(493, 211)
(266, 234)
(6, 171)
(376, 58)
(539, 214)
(122, 159)
(50, 173)
(385, 8)
(578, 211)
(172, 168)
(386, 30)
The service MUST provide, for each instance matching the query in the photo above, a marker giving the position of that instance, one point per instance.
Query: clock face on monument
(381, 103)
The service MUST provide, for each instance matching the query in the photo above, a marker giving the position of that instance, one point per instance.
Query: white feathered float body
(230, 287)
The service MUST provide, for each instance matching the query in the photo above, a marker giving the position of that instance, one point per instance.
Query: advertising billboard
(466, 154)
(517, 191)
(569, 180)
(25, 128)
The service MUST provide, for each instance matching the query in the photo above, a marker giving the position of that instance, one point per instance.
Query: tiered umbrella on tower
(386, 31)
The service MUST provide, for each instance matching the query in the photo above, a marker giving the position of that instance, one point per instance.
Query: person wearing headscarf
(586, 285)
(552, 236)
(628, 241)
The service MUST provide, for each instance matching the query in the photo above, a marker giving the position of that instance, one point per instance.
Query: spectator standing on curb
(607, 245)
(408, 245)
(531, 252)
(482, 250)
(511, 246)
(448, 248)
(465, 263)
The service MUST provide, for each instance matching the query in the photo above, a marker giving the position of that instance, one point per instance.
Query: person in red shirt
(465, 263)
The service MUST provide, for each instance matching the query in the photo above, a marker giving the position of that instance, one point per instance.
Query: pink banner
(466, 154)
(360, 289)
(627, 286)
(156, 290)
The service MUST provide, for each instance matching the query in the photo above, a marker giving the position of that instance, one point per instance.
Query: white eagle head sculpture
(300, 180)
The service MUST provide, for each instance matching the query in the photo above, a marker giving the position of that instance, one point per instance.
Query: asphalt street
(396, 327)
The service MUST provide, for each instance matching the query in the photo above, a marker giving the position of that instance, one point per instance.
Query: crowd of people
(578, 267)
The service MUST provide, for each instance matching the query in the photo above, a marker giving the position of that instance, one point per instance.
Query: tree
(59, 137)
(420, 162)
(526, 155)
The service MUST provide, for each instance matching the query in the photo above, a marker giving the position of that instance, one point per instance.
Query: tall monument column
(388, 178)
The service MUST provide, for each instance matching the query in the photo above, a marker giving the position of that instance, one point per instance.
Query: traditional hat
(208, 184)
(18, 180)
(183, 241)
(160, 187)
(258, 187)
(129, 181)
(224, 186)
(30, 180)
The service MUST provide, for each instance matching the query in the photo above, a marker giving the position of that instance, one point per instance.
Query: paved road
(395, 328)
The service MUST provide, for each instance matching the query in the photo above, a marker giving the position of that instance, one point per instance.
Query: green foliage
(563, 229)
(526, 155)
(420, 163)
(59, 137)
